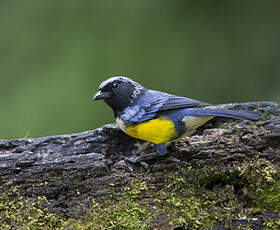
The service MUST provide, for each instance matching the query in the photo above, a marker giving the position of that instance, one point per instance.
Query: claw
(161, 151)
(135, 160)
(132, 160)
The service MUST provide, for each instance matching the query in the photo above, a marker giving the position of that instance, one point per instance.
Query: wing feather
(152, 103)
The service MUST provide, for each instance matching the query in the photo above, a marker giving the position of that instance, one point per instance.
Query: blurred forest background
(55, 53)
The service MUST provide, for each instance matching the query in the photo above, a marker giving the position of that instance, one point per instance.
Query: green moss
(17, 212)
(190, 203)
(184, 207)
(194, 198)
(272, 224)
(198, 198)
(119, 212)
(263, 185)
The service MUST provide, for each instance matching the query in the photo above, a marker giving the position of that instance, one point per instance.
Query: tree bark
(70, 169)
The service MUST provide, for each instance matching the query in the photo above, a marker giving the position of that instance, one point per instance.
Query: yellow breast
(156, 130)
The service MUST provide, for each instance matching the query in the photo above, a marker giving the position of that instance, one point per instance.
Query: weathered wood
(71, 169)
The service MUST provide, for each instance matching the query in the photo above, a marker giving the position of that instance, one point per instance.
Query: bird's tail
(242, 115)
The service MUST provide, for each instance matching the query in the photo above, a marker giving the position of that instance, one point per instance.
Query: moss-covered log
(238, 159)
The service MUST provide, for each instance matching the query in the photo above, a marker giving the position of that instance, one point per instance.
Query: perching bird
(158, 117)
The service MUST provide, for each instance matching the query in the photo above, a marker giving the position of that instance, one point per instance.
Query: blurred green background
(55, 53)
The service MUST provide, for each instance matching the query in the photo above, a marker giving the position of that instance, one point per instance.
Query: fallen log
(71, 169)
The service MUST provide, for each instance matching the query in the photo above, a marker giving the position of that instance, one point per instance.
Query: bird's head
(119, 92)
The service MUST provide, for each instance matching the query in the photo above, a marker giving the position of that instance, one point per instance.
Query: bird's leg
(160, 152)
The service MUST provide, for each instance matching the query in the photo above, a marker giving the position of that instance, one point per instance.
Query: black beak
(99, 95)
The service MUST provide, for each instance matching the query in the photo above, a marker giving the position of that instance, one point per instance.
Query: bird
(156, 116)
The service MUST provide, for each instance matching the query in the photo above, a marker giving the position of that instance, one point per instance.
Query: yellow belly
(156, 130)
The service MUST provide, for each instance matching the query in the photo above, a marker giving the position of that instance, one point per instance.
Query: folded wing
(152, 103)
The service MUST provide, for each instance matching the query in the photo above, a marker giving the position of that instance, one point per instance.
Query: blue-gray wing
(153, 103)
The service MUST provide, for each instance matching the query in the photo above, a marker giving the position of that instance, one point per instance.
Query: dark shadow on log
(71, 169)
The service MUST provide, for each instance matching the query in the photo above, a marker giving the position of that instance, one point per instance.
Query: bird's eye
(115, 85)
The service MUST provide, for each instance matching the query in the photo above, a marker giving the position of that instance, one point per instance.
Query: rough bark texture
(70, 169)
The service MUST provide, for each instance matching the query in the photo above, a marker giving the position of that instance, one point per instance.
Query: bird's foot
(161, 152)
(136, 160)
